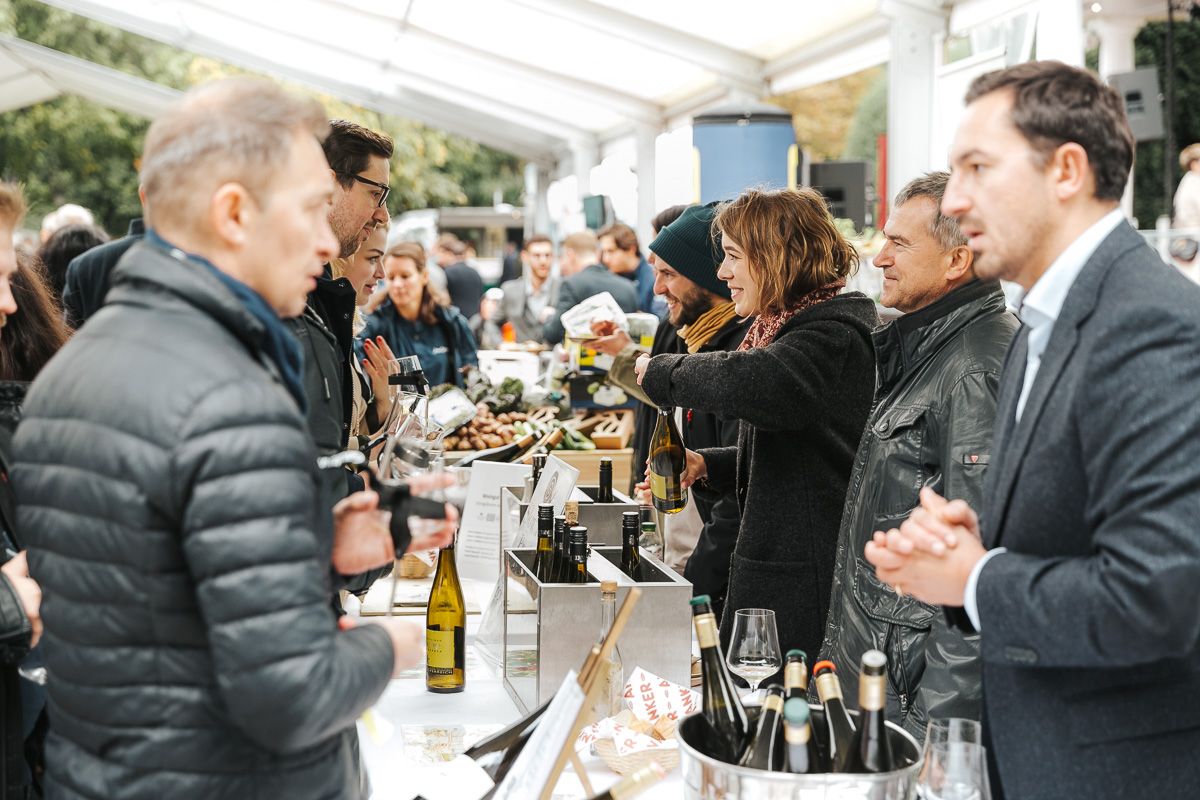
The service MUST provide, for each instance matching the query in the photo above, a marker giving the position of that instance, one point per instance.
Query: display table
(414, 732)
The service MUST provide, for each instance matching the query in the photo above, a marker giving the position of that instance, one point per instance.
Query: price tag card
(479, 532)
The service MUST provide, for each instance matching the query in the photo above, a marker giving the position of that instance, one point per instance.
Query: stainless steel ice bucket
(706, 778)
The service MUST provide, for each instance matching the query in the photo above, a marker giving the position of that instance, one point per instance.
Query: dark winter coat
(802, 402)
(939, 373)
(89, 275)
(708, 566)
(591, 280)
(177, 524)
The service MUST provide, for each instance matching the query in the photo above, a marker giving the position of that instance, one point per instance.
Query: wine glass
(754, 652)
(955, 762)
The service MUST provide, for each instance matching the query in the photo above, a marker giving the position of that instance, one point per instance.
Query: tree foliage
(73, 150)
(1149, 188)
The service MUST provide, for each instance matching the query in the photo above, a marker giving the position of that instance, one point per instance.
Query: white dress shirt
(1039, 310)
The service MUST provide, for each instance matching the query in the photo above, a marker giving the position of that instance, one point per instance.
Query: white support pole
(645, 137)
(911, 78)
(1116, 35)
(584, 157)
(1060, 31)
(537, 209)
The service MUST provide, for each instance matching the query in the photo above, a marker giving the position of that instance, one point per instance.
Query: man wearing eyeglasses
(359, 161)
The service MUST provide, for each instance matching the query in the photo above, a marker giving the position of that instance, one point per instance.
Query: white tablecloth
(411, 730)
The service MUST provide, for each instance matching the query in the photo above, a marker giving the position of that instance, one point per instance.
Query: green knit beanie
(687, 246)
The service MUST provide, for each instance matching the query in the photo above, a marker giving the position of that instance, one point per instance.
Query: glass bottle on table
(577, 569)
(728, 725)
(545, 543)
(837, 719)
(651, 538)
(766, 747)
(559, 556)
(870, 749)
(445, 628)
(611, 698)
(631, 558)
(668, 463)
(604, 493)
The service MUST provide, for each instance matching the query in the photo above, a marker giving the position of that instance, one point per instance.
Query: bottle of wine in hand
(668, 463)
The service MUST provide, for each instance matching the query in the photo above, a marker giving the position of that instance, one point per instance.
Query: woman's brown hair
(789, 241)
(429, 296)
(36, 331)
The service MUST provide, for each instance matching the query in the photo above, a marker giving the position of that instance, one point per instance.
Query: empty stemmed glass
(754, 646)
(955, 762)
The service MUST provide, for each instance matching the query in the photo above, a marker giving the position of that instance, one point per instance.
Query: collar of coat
(904, 344)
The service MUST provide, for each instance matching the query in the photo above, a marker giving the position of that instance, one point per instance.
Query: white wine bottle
(445, 628)
(668, 463)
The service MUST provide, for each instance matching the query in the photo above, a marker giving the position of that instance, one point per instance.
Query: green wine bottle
(802, 755)
(795, 675)
(560, 557)
(729, 728)
(578, 572)
(631, 558)
(445, 628)
(841, 729)
(766, 748)
(871, 750)
(604, 494)
(545, 543)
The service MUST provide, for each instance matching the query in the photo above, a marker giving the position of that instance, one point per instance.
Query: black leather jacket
(939, 371)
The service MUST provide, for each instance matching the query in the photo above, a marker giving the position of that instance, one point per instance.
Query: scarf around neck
(766, 327)
(706, 326)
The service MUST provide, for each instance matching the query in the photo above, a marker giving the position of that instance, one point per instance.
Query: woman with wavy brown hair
(801, 385)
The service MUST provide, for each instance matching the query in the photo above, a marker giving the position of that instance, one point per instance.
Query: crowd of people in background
(187, 556)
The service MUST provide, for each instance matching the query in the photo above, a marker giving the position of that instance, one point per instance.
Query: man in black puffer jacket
(170, 496)
(939, 371)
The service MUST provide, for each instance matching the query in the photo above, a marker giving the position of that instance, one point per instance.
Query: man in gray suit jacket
(532, 298)
(1086, 584)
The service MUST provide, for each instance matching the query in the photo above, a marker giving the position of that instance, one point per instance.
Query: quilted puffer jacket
(177, 525)
(939, 372)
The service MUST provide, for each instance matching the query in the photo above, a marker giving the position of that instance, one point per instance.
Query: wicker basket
(410, 567)
(668, 758)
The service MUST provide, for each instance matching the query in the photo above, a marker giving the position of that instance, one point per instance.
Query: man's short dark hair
(537, 238)
(623, 236)
(668, 215)
(349, 147)
(1053, 104)
(933, 185)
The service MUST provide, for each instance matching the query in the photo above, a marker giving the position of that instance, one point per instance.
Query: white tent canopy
(31, 74)
(597, 91)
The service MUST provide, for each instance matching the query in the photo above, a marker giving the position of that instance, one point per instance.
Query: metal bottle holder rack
(549, 627)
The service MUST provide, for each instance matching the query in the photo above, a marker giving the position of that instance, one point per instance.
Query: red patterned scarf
(766, 327)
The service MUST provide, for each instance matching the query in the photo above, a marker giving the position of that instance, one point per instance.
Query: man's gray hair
(238, 130)
(933, 185)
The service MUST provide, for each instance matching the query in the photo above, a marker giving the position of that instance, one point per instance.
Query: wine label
(794, 676)
(440, 652)
(872, 692)
(665, 486)
(828, 686)
(797, 734)
(706, 630)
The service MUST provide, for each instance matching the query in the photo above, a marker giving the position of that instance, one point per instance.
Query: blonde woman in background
(369, 391)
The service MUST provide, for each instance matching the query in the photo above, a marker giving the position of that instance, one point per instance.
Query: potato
(478, 443)
(493, 440)
(503, 419)
(464, 443)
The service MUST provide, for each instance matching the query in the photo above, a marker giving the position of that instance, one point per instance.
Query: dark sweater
(802, 402)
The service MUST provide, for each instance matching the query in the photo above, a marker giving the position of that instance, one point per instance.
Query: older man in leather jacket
(939, 369)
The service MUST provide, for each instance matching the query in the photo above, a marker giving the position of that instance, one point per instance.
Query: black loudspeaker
(844, 185)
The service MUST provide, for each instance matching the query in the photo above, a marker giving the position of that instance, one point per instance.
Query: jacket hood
(903, 345)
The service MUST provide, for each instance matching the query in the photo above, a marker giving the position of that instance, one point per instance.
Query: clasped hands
(931, 555)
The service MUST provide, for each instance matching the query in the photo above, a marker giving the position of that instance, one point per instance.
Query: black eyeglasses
(383, 187)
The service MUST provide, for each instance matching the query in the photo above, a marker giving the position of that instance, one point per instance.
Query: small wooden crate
(614, 430)
(588, 464)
